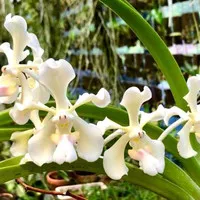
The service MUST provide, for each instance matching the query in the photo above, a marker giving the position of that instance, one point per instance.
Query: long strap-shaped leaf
(157, 183)
(156, 47)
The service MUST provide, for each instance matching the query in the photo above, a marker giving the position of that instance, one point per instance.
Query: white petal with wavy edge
(17, 27)
(193, 84)
(65, 151)
(34, 44)
(20, 114)
(101, 99)
(90, 142)
(174, 111)
(154, 116)
(107, 124)
(150, 154)
(132, 100)
(184, 146)
(147, 162)
(41, 147)
(19, 146)
(62, 73)
(113, 160)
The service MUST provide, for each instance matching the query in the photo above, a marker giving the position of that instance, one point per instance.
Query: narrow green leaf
(5, 133)
(4, 117)
(178, 176)
(156, 47)
(157, 183)
(10, 162)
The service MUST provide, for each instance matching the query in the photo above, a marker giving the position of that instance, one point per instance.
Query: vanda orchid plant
(60, 138)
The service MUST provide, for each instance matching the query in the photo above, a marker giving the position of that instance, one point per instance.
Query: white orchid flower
(190, 118)
(10, 81)
(149, 153)
(57, 135)
(13, 82)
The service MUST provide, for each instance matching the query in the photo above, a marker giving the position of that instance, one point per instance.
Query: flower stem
(170, 128)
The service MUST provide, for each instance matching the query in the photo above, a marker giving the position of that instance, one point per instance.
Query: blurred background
(106, 53)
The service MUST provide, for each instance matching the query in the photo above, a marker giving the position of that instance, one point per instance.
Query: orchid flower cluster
(62, 136)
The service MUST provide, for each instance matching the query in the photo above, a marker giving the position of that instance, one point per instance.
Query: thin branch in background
(52, 192)
(5, 194)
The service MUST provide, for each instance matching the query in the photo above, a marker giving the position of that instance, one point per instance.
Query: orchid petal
(193, 84)
(113, 161)
(40, 94)
(20, 142)
(133, 100)
(184, 146)
(90, 142)
(41, 139)
(62, 73)
(101, 99)
(36, 48)
(107, 124)
(9, 89)
(20, 114)
(21, 111)
(146, 161)
(35, 118)
(17, 27)
(150, 154)
(173, 111)
(154, 116)
(65, 151)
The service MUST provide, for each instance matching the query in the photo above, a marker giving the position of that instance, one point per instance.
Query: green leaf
(10, 162)
(4, 117)
(157, 183)
(5, 133)
(156, 47)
